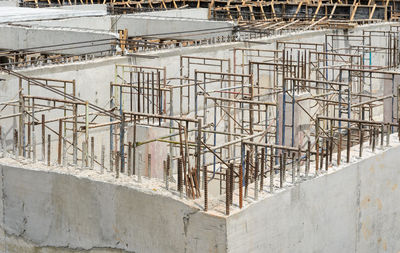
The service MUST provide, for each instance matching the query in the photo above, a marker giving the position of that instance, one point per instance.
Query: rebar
(48, 149)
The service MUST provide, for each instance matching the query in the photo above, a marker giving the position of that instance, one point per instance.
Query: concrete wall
(25, 38)
(65, 212)
(198, 13)
(147, 26)
(354, 209)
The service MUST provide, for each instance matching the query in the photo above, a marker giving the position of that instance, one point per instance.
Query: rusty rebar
(180, 179)
(293, 168)
(316, 156)
(284, 159)
(48, 149)
(205, 188)
(246, 174)
(129, 158)
(327, 145)
(117, 161)
(271, 171)
(231, 182)
(280, 171)
(227, 191)
(167, 171)
(15, 144)
(308, 158)
(59, 141)
(240, 186)
(256, 166)
(43, 138)
(360, 151)
(348, 144)
(262, 169)
(339, 149)
(373, 139)
(91, 152)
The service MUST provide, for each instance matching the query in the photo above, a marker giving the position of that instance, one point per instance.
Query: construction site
(199, 126)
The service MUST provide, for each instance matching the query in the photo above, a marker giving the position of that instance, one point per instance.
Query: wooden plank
(371, 14)
(333, 11)
(317, 10)
(353, 13)
(297, 10)
(262, 11)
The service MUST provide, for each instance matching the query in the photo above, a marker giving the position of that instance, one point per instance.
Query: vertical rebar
(327, 145)
(43, 138)
(298, 161)
(388, 132)
(293, 168)
(15, 146)
(117, 161)
(280, 171)
(129, 159)
(322, 155)
(180, 179)
(149, 165)
(348, 144)
(271, 171)
(246, 174)
(167, 172)
(91, 152)
(330, 149)
(360, 151)
(111, 160)
(60, 123)
(227, 191)
(256, 166)
(262, 169)
(308, 158)
(284, 166)
(240, 186)
(231, 175)
(48, 149)
(205, 186)
(316, 156)
(373, 139)
(339, 149)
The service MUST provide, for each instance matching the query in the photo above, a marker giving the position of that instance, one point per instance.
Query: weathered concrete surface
(52, 210)
(354, 209)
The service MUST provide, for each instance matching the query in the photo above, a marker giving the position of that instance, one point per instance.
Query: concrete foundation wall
(59, 211)
(25, 38)
(354, 209)
(198, 13)
(146, 26)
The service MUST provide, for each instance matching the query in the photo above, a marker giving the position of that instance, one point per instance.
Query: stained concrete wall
(354, 209)
(59, 211)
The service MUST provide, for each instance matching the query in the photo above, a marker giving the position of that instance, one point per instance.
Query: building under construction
(199, 126)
